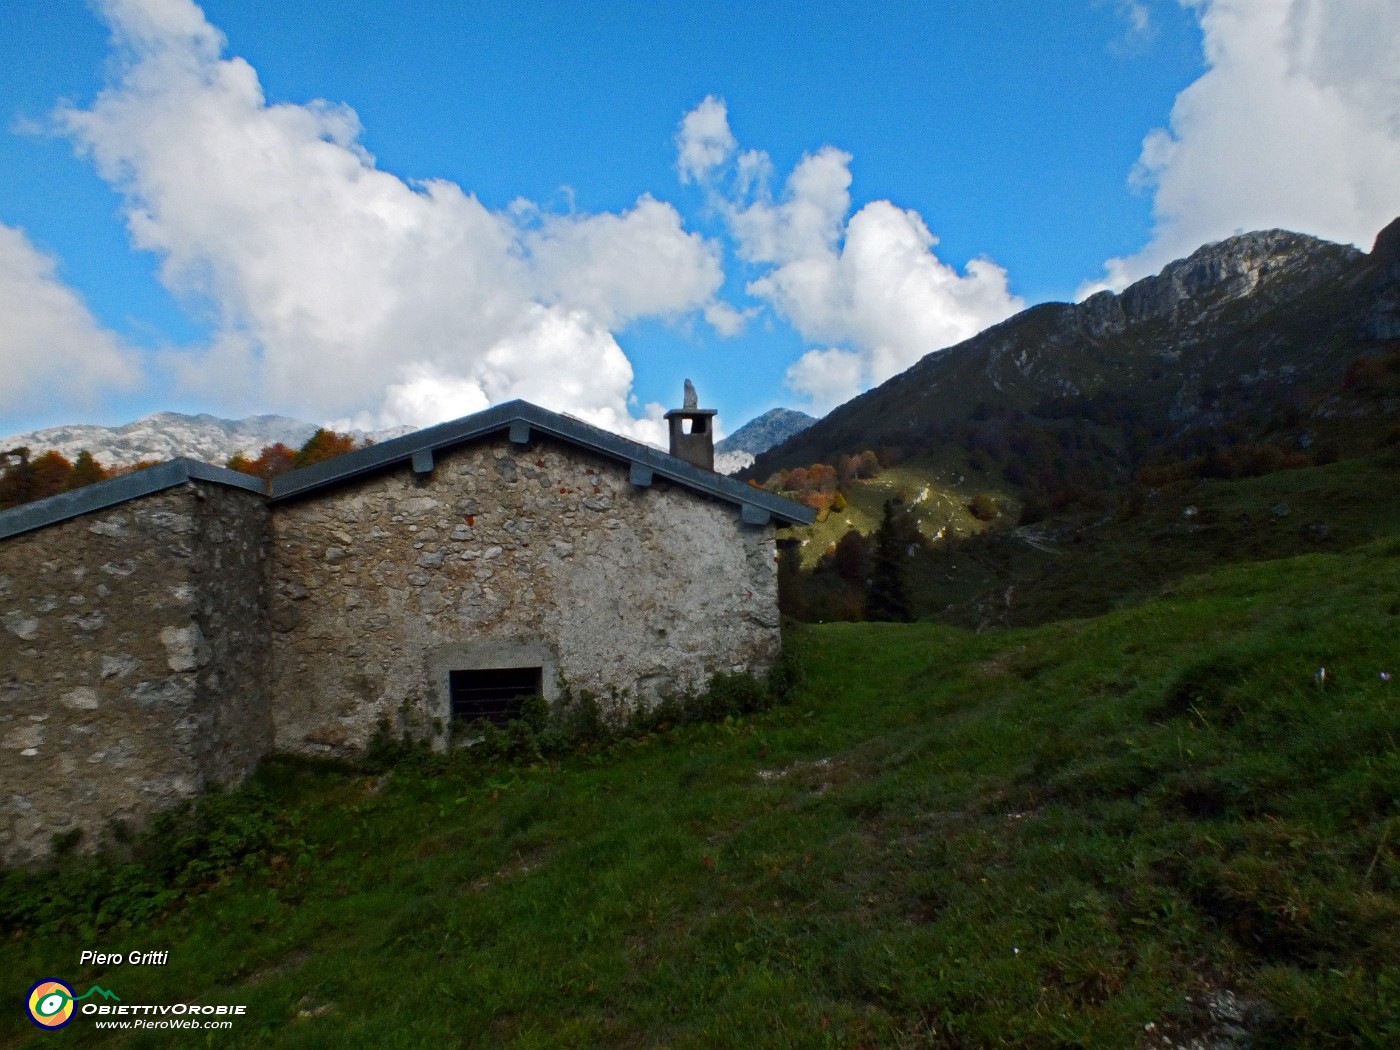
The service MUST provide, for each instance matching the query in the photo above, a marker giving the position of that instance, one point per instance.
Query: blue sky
(583, 204)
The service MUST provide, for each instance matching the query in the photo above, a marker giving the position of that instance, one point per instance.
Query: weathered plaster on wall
(131, 645)
(637, 592)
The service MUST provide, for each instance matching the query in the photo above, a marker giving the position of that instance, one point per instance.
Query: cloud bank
(52, 350)
(1294, 124)
(867, 285)
(344, 291)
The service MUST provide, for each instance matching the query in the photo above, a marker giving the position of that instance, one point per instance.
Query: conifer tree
(790, 598)
(86, 470)
(889, 596)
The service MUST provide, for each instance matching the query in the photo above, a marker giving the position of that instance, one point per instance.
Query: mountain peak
(763, 432)
(757, 436)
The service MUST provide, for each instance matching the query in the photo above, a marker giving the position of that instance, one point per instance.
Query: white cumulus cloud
(868, 285)
(1294, 124)
(52, 350)
(1138, 29)
(826, 377)
(622, 267)
(704, 141)
(344, 291)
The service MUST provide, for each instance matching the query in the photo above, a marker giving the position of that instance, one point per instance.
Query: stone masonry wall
(538, 555)
(230, 577)
(132, 643)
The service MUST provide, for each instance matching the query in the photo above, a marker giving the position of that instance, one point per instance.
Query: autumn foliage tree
(23, 480)
(858, 468)
(278, 459)
(321, 446)
(17, 480)
(816, 486)
(271, 462)
(51, 471)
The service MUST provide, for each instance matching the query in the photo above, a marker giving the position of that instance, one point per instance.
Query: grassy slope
(1087, 567)
(1180, 529)
(1039, 837)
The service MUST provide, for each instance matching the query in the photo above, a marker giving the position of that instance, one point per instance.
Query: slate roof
(103, 494)
(519, 419)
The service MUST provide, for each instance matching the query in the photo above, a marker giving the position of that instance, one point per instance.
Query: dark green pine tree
(86, 471)
(889, 597)
(790, 598)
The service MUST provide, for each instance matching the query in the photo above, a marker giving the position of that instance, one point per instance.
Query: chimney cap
(690, 406)
(690, 413)
(698, 445)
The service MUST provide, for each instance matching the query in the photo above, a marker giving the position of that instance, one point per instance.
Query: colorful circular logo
(51, 1004)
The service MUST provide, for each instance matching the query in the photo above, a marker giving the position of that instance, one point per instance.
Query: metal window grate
(493, 694)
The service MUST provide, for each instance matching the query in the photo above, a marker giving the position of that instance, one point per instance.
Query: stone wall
(132, 643)
(539, 555)
(167, 643)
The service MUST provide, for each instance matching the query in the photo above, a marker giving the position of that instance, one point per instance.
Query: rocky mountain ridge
(165, 435)
(211, 439)
(1262, 314)
(1264, 266)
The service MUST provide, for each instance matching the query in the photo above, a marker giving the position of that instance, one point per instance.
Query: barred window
(492, 693)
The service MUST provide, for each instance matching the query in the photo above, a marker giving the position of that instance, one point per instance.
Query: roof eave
(508, 417)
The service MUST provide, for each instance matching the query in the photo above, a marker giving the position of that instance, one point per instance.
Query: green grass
(1043, 837)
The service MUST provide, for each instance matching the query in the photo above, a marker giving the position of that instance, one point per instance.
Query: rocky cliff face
(1385, 317)
(166, 435)
(1267, 267)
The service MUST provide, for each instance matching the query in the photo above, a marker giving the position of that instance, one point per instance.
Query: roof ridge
(757, 506)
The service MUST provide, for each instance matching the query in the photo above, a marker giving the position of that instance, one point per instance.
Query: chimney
(692, 431)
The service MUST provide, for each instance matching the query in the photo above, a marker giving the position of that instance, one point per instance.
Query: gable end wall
(132, 648)
(505, 553)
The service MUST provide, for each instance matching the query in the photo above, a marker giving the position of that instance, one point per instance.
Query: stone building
(163, 631)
